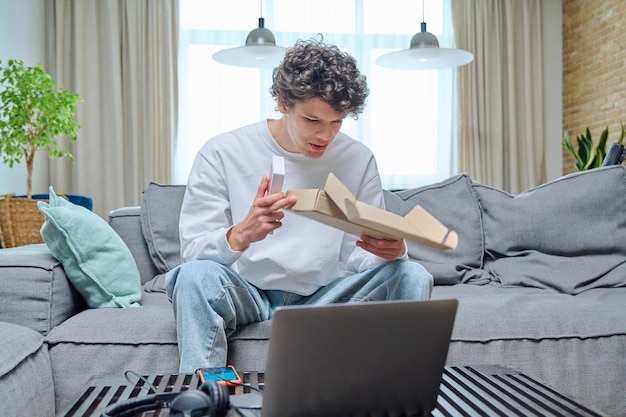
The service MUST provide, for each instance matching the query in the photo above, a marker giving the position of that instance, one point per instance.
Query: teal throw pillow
(95, 259)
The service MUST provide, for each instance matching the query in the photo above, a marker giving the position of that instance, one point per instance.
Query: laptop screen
(377, 358)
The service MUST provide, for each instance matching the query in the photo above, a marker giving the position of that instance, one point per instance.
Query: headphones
(209, 400)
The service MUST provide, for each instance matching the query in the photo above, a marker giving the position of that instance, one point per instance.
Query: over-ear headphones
(209, 400)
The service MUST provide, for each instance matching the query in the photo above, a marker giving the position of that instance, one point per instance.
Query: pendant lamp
(424, 53)
(260, 50)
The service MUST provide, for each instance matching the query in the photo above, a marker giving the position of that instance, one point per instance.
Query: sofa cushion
(248, 346)
(568, 234)
(34, 290)
(492, 312)
(126, 221)
(26, 386)
(160, 211)
(111, 342)
(453, 203)
(94, 257)
(575, 344)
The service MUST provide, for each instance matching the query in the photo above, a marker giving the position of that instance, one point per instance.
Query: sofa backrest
(519, 235)
(567, 235)
(451, 201)
(126, 222)
(454, 204)
(160, 212)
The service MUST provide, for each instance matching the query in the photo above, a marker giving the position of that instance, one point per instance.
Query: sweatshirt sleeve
(205, 216)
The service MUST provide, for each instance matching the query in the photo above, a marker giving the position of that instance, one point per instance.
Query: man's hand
(390, 250)
(264, 217)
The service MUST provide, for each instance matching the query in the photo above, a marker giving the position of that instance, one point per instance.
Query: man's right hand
(264, 217)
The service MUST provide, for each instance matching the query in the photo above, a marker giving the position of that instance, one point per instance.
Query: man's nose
(326, 133)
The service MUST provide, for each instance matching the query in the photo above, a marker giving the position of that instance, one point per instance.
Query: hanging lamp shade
(425, 53)
(260, 50)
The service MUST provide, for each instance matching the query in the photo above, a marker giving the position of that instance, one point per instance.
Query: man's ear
(281, 106)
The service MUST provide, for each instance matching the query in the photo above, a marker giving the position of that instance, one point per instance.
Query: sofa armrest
(34, 291)
(126, 221)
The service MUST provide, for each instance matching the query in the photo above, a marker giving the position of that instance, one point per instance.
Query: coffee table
(465, 391)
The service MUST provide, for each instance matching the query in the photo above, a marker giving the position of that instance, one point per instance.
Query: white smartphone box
(277, 174)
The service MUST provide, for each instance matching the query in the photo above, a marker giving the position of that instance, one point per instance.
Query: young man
(243, 254)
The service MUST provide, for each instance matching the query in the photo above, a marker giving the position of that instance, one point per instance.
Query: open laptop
(375, 358)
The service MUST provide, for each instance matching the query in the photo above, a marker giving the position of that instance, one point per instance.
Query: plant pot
(20, 221)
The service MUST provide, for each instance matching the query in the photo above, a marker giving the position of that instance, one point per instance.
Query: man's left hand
(390, 250)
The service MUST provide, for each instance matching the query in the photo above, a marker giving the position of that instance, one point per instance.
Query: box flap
(337, 207)
(315, 204)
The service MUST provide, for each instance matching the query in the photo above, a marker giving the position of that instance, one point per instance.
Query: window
(409, 117)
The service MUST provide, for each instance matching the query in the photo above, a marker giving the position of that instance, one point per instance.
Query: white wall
(22, 30)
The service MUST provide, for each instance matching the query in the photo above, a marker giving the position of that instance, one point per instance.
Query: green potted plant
(34, 113)
(587, 155)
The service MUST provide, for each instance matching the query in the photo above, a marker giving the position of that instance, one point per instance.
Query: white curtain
(121, 57)
(409, 117)
(502, 122)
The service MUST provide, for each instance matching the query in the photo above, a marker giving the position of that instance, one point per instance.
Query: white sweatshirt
(302, 255)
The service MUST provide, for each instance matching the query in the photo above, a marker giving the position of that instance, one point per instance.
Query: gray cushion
(112, 341)
(160, 211)
(492, 312)
(568, 234)
(34, 290)
(248, 346)
(26, 387)
(453, 203)
(575, 344)
(126, 222)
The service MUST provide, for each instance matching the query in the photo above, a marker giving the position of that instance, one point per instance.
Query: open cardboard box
(336, 206)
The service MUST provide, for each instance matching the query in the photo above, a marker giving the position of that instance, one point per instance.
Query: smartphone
(226, 375)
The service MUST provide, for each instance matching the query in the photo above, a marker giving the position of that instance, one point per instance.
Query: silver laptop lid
(376, 358)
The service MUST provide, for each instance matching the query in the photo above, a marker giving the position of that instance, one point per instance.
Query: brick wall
(594, 69)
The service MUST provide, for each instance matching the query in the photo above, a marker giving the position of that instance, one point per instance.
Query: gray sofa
(540, 278)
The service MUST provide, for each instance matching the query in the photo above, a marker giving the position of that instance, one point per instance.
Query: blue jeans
(210, 301)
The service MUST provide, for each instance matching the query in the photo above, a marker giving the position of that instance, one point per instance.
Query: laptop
(375, 358)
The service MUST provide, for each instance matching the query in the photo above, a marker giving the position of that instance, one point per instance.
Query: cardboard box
(336, 206)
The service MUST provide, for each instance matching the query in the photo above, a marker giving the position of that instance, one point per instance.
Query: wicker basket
(20, 221)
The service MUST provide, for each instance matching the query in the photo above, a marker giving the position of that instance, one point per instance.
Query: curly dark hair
(312, 69)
